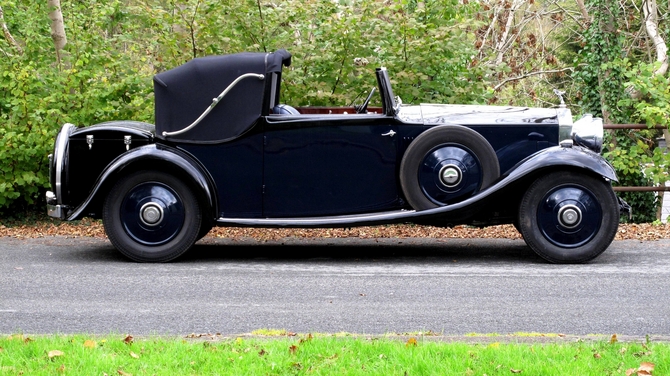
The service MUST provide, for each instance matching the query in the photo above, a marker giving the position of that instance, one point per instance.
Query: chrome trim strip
(215, 101)
(59, 158)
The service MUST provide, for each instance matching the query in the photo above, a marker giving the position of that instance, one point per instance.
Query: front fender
(560, 156)
(153, 155)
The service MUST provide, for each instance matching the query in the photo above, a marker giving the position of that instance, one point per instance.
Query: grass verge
(323, 355)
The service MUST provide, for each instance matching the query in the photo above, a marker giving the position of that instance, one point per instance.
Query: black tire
(569, 217)
(456, 147)
(151, 216)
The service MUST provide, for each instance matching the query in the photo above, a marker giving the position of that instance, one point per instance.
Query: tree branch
(504, 82)
(8, 35)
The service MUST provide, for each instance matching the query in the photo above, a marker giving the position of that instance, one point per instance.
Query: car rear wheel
(445, 165)
(151, 216)
(568, 217)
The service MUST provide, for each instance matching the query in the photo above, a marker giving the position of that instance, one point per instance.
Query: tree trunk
(650, 11)
(57, 27)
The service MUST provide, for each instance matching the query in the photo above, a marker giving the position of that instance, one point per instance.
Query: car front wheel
(151, 216)
(568, 217)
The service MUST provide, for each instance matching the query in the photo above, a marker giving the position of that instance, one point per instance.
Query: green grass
(321, 355)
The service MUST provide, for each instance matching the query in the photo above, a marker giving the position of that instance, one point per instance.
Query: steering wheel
(363, 108)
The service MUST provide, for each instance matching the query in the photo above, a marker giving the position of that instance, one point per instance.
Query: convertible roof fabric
(182, 94)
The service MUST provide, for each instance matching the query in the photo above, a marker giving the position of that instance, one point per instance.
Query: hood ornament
(560, 96)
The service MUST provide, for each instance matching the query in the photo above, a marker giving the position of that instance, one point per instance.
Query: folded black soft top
(183, 93)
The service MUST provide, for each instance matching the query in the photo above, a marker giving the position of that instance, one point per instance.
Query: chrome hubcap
(151, 214)
(570, 216)
(451, 175)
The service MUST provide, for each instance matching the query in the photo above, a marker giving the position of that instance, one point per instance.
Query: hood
(435, 114)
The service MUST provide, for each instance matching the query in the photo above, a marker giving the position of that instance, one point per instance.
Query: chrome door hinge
(127, 140)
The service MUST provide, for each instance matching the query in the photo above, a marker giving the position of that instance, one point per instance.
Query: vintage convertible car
(224, 151)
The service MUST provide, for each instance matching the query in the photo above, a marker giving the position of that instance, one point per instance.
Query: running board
(368, 219)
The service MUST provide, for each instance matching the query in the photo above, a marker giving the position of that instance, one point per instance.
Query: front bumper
(53, 209)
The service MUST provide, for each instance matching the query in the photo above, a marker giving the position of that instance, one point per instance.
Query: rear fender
(154, 156)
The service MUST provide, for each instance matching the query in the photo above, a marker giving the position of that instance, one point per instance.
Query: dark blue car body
(225, 151)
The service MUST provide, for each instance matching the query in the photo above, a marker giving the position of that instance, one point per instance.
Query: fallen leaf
(613, 339)
(133, 355)
(293, 349)
(262, 352)
(120, 372)
(128, 340)
(411, 342)
(308, 338)
(515, 370)
(597, 356)
(646, 366)
(89, 344)
(54, 353)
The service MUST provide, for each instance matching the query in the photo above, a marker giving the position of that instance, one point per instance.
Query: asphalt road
(449, 286)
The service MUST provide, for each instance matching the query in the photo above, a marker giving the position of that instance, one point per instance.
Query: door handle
(389, 133)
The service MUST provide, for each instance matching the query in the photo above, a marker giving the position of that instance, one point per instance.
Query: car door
(329, 165)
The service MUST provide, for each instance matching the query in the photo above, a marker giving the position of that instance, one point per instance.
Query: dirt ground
(94, 228)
